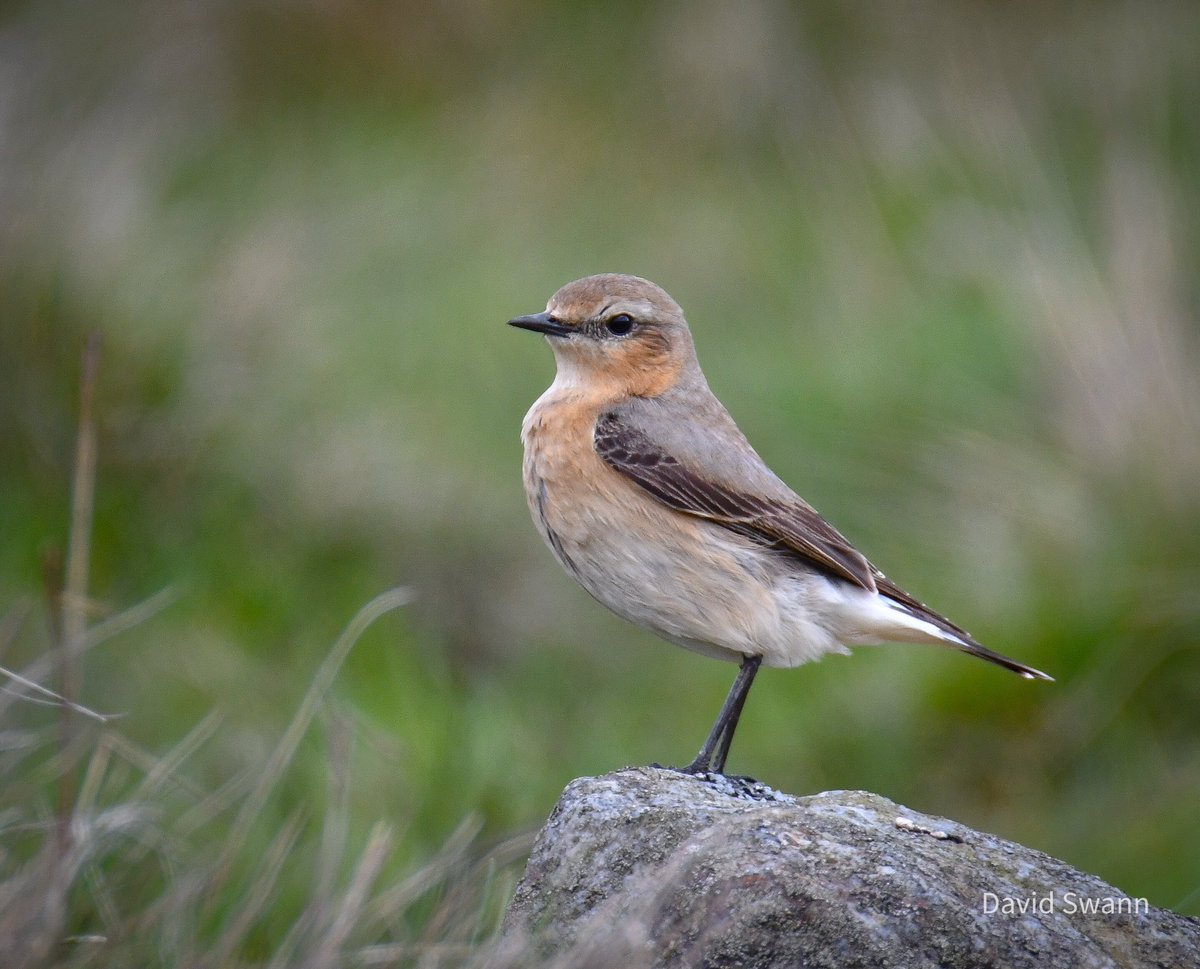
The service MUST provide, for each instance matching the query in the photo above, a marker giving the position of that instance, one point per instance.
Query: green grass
(938, 265)
(119, 855)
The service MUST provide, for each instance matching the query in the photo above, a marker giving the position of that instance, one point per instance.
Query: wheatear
(652, 498)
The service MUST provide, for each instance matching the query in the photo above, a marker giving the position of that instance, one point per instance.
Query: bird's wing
(772, 515)
(785, 522)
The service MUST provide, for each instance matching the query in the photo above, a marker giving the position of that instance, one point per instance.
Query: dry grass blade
(387, 906)
(379, 846)
(423, 954)
(260, 892)
(72, 602)
(103, 898)
(286, 748)
(334, 834)
(337, 815)
(85, 800)
(48, 697)
(165, 767)
(499, 881)
(83, 495)
(211, 807)
(29, 679)
(127, 619)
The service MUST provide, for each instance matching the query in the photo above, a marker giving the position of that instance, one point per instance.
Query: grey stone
(650, 867)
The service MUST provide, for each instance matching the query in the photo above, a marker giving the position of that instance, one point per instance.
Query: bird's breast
(567, 485)
(670, 573)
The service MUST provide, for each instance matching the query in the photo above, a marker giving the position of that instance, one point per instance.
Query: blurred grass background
(940, 262)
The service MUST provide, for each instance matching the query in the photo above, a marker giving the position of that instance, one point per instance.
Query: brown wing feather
(793, 525)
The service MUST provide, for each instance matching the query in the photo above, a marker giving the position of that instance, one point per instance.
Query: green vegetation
(939, 262)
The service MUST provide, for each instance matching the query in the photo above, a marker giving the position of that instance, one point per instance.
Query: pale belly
(694, 583)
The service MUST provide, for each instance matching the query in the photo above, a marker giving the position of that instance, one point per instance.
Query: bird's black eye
(620, 324)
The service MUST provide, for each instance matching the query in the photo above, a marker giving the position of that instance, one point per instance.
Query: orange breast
(566, 482)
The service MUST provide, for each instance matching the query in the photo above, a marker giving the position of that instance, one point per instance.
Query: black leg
(752, 664)
(711, 758)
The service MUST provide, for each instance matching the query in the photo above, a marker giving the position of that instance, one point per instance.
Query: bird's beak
(541, 323)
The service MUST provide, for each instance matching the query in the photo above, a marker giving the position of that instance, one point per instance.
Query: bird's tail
(947, 632)
(975, 649)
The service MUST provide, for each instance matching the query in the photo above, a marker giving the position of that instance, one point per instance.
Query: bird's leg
(711, 758)
(749, 670)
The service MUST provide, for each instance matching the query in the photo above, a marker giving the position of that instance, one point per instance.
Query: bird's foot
(738, 785)
(696, 768)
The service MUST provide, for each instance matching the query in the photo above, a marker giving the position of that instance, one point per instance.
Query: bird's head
(622, 333)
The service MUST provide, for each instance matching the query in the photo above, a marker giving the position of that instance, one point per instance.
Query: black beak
(541, 323)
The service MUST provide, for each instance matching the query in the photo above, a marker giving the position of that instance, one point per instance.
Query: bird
(651, 497)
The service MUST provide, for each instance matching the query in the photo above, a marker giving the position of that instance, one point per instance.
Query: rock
(650, 867)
